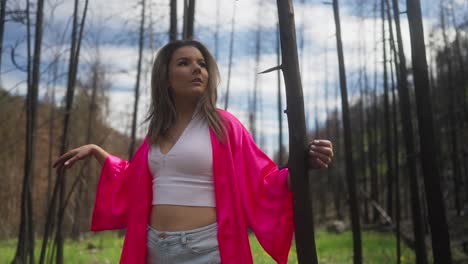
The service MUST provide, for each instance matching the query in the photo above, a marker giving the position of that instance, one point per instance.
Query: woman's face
(188, 75)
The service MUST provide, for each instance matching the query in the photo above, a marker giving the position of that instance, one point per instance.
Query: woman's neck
(185, 110)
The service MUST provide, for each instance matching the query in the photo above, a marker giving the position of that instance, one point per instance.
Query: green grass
(338, 249)
(331, 249)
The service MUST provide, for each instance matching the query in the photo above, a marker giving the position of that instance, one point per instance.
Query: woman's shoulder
(231, 123)
(228, 118)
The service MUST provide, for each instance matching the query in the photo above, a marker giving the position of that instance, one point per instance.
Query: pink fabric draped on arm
(112, 199)
(266, 199)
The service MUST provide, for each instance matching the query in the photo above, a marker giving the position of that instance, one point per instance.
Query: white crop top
(184, 176)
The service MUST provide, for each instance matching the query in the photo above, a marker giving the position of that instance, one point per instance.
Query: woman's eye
(202, 64)
(182, 63)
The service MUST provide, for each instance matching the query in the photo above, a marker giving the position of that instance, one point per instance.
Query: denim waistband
(185, 232)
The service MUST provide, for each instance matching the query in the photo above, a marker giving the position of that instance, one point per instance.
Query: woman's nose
(196, 68)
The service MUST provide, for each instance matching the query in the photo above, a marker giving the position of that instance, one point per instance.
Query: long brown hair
(162, 112)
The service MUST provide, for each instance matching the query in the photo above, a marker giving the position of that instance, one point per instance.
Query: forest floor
(105, 247)
(458, 228)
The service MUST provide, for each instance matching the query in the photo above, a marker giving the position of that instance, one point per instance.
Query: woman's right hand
(68, 159)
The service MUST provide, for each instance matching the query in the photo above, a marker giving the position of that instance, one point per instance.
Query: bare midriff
(181, 218)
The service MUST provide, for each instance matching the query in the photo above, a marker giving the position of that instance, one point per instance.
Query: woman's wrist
(99, 154)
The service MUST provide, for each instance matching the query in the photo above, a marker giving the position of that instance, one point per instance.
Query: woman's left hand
(320, 153)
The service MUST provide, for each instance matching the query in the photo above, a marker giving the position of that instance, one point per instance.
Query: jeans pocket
(203, 244)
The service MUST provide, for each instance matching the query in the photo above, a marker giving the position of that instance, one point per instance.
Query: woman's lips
(197, 81)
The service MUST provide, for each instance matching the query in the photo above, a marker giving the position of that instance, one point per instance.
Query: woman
(198, 181)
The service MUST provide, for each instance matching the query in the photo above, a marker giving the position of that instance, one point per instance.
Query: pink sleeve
(266, 199)
(112, 196)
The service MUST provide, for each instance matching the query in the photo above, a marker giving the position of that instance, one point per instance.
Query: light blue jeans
(196, 246)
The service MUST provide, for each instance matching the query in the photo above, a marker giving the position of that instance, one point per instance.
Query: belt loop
(183, 238)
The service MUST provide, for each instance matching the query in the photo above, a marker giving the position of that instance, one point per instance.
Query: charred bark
(173, 20)
(189, 16)
(131, 149)
(303, 216)
(351, 180)
(407, 124)
(436, 208)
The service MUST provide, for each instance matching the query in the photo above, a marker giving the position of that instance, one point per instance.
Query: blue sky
(114, 25)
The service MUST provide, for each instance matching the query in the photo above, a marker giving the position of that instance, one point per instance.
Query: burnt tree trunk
(387, 130)
(452, 115)
(2, 28)
(410, 160)
(435, 203)
(189, 16)
(351, 180)
(131, 149)
(73, 71)
(231, 51)
(303, 216)
(25, 246)
(173, 20)
(279, 103)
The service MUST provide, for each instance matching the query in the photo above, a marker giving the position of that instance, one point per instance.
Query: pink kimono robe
(250, 192)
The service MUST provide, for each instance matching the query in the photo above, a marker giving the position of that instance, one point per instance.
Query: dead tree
(173, 20)
(25, 246)
(303, 216)
(387, 130)
(279, 103)
(253, 103)
(55, 215)
(454, 143)
(231, 51)
(83, 175)
(2, 28)
(216, 35)
(351, 179)
(189, 16)
(435, 201)
(73, 70)
(396, 151)
(407, 125)
(462, 114)
(396, 163)
(131, 149)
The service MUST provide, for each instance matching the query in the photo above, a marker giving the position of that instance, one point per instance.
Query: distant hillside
(48, 140)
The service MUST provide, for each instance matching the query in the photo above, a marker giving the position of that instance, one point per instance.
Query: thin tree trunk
(436, 208)
(387, 132)
(231, 51)
(405, 110)
(452, 115)
(131, 149)
(351, 180)
(462, 113)
(338, 186)
(73, 70)
(2, 28)
(303, 216)
(216, 38)
(279, 103)
(254, 102)
(374, 158)
(189, 16)
(25, 245)
(362, 147)
(52, 129)
(59, 188)
(173, 20)
(83, 177)
(396, 163)
(371, 187)
(396, 156)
